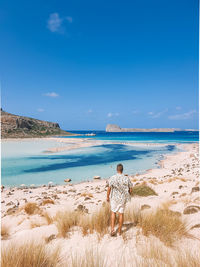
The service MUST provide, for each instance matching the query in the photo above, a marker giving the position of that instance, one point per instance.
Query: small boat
(90, 134)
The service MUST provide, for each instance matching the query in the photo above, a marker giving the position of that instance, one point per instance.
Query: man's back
(120, 185)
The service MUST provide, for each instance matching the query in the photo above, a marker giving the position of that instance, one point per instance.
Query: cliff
(14, 126)
(116, 128)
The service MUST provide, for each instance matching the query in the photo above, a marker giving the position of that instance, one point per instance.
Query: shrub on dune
(143, 191)
(29, 254)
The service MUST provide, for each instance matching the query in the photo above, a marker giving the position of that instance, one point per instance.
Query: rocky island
(14, 126)
(116, 128)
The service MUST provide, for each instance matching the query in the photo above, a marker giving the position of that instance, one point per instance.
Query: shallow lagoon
(24, 162)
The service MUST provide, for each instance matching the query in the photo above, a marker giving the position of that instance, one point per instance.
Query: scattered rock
(2, 188)
(67, 180)
(145, 206)
(97, 177)
(10, 203)
(174, 193)
(65, 192)
(180, 186)
(50, 184)
(87, 198)
(50, 238)
(81, 208)
(191, 209)
(12, 210)
(195, 226)
(23, 186)
(195, 189)
(72, 190)
(55, 197)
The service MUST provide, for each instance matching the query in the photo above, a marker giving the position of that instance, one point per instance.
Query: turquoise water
(24, 162)
(174, 137)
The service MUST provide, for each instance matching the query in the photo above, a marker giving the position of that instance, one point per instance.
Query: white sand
(179, 173)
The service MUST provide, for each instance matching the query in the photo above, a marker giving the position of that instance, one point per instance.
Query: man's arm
(130, 185)
(108, 193)
(130, 190)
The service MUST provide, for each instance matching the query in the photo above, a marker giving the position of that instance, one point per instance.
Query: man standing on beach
(120, 188)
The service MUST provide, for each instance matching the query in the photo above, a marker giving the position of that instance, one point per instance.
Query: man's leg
(113, 215)
(121, 220)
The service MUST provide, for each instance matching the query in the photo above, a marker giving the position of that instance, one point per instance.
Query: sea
(25, 162)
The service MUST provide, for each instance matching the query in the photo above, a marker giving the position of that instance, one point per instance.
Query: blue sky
(84, 64)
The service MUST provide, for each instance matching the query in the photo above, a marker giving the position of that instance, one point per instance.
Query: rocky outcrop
(116, 128)
(14, 126)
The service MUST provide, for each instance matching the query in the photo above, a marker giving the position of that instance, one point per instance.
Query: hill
(116, 128)
(14, 126)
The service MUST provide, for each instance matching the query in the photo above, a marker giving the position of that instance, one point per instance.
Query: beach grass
(29, 254)
(98, 222)
(165, 224)
(65, 220)
(31, 208)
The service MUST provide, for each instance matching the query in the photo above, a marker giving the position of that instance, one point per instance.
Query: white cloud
(135, 111)
(90, 111)
(52, 94)
(183, 116)
(55, 22)
(178, 108)
(155, 115)
(110, 115)
(40, 110)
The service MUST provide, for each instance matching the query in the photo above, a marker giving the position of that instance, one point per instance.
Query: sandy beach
(176, 184)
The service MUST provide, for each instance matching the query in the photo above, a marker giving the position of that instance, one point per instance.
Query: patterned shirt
(120, 185)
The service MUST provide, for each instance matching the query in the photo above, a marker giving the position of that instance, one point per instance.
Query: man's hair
(120, 167)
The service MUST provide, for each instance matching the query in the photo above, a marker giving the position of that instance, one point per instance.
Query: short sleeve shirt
(120, 185)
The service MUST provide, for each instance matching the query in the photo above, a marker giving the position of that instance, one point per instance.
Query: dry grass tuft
(164, 224)
(48, 201)
(65, 221)
(35, 224)
(169, 180)
(31, 208)
(187, 258)
(29, 254)
(153, 181)
(143, 190)
(132, 214)
(91, 258)
(98, 222)
(48, 218)
(5, 231)
(86, 194)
